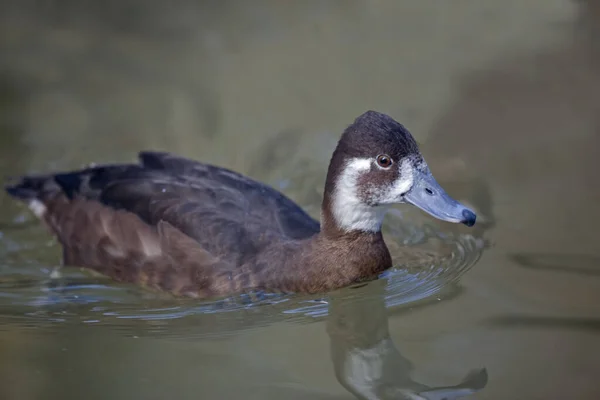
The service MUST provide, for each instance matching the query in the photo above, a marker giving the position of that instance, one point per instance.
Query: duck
(192, 229)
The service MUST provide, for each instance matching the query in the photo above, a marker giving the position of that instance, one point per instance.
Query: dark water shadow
(591, 325)
(577, 264)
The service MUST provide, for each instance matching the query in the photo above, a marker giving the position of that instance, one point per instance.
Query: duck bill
(430, 197)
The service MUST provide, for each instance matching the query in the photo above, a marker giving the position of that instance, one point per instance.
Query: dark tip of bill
(469, 217)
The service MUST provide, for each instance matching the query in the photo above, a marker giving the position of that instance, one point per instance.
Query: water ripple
(429, 263)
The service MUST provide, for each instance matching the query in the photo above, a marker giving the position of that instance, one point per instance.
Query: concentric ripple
(429, 262)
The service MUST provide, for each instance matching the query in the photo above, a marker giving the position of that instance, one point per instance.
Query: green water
(502, 96)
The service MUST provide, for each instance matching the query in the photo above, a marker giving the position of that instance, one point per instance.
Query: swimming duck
(198, 230)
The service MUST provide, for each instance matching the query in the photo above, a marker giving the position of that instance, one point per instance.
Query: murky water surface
(503, 97)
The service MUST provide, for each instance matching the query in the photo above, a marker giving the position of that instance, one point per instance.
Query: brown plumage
(198, 230)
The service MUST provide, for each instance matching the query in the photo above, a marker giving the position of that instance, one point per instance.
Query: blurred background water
(503, 98)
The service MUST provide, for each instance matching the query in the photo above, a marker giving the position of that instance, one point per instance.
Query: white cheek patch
(349, 211)
(38, 208)
(401, 185)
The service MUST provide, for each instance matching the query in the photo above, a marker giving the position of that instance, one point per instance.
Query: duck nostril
(429, 191)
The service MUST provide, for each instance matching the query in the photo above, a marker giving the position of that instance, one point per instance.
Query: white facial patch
(37, 207)
(349, 211)
(401, 185)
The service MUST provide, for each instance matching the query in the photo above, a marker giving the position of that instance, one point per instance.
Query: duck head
(376, 164)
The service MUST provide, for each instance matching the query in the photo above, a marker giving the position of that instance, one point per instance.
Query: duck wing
(260, 205)
(229, 216)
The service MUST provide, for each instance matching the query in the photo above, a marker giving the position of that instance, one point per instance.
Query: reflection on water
(368, 363)
(437, 261)
(38, 299)
(365, 359)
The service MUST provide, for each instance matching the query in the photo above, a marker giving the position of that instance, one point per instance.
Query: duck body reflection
(366, 361)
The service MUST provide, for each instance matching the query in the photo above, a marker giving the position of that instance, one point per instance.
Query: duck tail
(28, 187)
(33, 190)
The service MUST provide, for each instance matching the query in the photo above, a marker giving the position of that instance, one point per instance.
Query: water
(502, 96)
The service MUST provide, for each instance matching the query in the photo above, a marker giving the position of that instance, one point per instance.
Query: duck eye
(384, 161)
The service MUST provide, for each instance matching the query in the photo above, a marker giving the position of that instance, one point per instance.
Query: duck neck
(342, 215)
(328, 262)
(357, 255)
(332, 259)
(354, 250)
